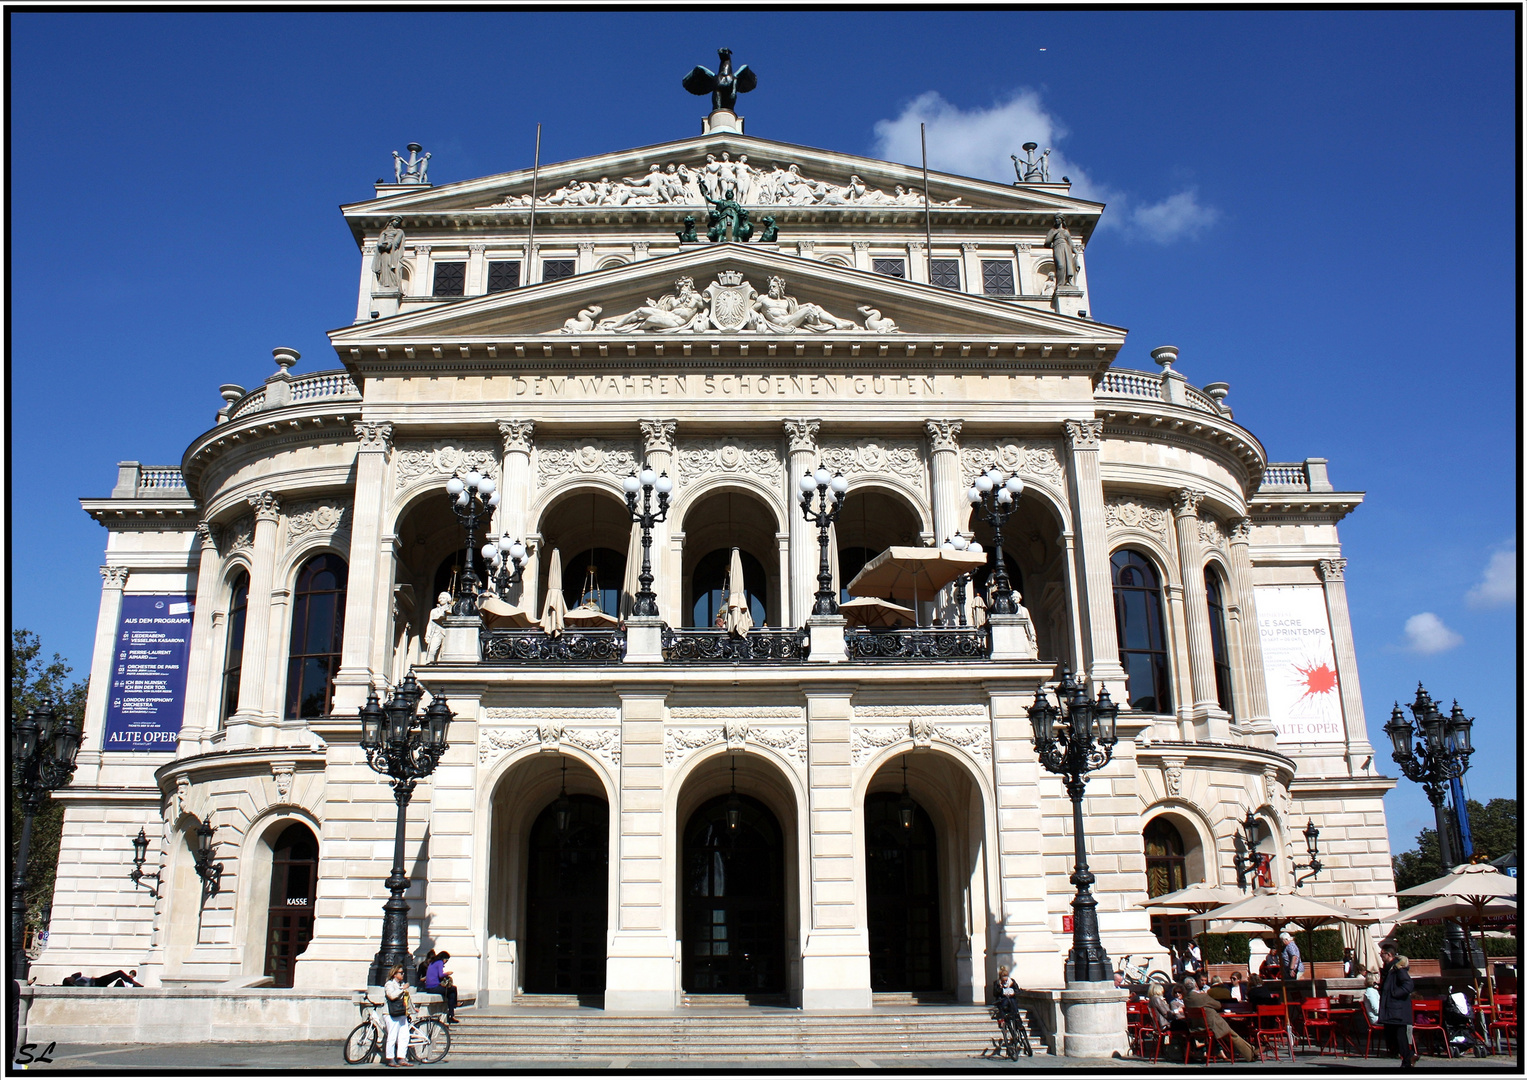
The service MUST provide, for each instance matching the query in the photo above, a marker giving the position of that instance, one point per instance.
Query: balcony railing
(539, 647)
(762, 646)
(923, 643)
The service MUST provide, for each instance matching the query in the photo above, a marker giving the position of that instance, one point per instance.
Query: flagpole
(535, 175)
(927, 213)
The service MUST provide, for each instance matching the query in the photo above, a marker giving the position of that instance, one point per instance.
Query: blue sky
(1316, 207)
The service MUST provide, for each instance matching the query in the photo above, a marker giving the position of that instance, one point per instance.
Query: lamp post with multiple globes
(959, 543)
(828, 490)
(994, 498)
(473, 498)
(646, 482)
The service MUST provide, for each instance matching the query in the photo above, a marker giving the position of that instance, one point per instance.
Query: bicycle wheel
(430, 1041)
(1160, 977)
(1021, 1038)
(360, 1044)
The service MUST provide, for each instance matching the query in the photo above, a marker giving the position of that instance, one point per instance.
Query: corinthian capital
(1084, 434)
(375, 436)
(943, 434)
(1332, 569)
(1186, 502)
(802, 434)
(267, 506)
(1240, 531)
(206, 532)
(657, 435)
(518, 435)
(115, 577)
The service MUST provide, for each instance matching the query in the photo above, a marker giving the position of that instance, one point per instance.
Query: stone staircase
(715, 1031)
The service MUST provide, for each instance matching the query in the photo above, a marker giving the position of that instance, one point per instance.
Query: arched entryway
(733, 892)
(289, 918)
(902, 891)
(566, 901)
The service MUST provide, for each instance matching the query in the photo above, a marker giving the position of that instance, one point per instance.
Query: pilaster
(802, 459)
(971, 268)
(1095, 577)
(657, 447)
(368, 596)
(1253, 685)
(202, 661)
(477, 272)
(944, 455)
(514, 507)
(1206, 708)
(102, 664)
(1333, 574)
(258, 649)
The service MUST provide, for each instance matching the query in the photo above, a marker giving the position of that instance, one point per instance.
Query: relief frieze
(1040, 459)
(443, 459)
(556, 458)
(702, 458)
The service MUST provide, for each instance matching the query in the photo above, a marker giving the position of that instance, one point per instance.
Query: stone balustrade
(318, 386)
(1119, 382)
(1307, 475)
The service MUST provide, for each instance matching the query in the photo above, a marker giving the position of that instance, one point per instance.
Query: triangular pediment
(851, 302)
(795, 179)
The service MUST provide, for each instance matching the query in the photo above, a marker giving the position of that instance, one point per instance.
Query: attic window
(557, 269)
(946, 273)
(503, 276)
(896, 268)
(451, 279)
(997, 277)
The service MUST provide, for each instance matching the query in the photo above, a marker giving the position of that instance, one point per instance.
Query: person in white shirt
(395, 1051)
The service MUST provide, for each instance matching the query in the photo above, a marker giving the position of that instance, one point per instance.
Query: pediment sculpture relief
(680, 184)
(727, 305)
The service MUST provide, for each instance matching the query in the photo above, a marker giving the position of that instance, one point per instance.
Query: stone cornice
(1157, 750)
(1182, 426)
(1338, 787)
(1302, 507)
(125, 515)
(282, 427)
(236, 761)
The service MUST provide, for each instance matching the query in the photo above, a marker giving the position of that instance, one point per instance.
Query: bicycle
(1141, 974)
(429, 1040)
(1012, 1038)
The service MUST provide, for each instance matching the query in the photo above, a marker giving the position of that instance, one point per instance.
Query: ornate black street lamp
(1434, 752)
(959, 543)
(473, 498)
(1072, 741)
(1247, 859)
(646, 482)
(1312, 847)
(994, 499)
(405, 747)
(140, 854)
(43, 746)
(829, 490)
(499, 557)
(211, 873)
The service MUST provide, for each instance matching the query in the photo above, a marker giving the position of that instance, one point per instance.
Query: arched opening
(733, 882)
(902, 889)
(289, 920)
(448, 574)
(1034, 555)
(318, 630)
(594, 577)
(233, 653)
(566, 901)
(591, 529)
(1214, 589)
(1142, 633)
(1166, 870)
(712, 527)
(872, 519)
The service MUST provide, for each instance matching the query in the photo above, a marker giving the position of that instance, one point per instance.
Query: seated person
(1257, 993)
(437, 980)
(1237, 986)
(1371, 997)
(1161, 1011)
(1195, 999)
(1271, 968)
(1219, 992)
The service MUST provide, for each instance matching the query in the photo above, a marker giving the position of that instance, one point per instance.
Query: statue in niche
(1058, 240)
(783, 314)
(389, 257)
(671, 314)
(413, 171)
(729, 221)
(723, 85)
(687, 234)
(434, 637)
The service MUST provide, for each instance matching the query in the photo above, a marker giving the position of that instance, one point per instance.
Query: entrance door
(564, 943)
(289, 926)
(734, 899)
(901, 885)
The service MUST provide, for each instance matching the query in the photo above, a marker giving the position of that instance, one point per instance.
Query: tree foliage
(34, 680)
(1494, 830)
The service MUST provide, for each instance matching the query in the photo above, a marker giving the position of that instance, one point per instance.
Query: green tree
(1493, 827)
(32, 681)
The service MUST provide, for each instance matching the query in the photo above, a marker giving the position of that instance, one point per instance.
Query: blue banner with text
(148, 674)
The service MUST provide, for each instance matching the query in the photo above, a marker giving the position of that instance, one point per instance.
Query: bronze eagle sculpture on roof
(724, 85)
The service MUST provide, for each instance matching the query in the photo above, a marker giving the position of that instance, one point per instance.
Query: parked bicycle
(429, 1040)
(1140, 974)
(1012, 1038)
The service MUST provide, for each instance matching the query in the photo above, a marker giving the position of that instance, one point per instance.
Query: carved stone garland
(595, 730)
(1039, 459)
(729, 304)
(304, 518)
(708, 457)
(738, 725)
(925, 725)
(239, 535)
(556, 458)
(898, 457)
(444, 458)
(1128, 513)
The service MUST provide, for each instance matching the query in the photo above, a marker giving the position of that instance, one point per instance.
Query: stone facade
(558, 389)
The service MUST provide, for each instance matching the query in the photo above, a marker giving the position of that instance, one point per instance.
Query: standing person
(1288, 958)
(1218, 1028)
(437, 980)
(1395, 989)
(1194, 960)
(395, 1049)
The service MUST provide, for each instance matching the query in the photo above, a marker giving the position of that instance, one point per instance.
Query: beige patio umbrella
(501, 615)
(1197, 898)
(739, 620)
(913, 573)
(1475, 885)
(873, 611)
(554, 611)
(633, 579)
(1278, 909)
(589, 617)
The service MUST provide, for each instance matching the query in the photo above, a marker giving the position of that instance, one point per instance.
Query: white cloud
(979, 142)
(1427, 634)
(1498, 586)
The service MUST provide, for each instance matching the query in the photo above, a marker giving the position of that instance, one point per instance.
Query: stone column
(835, 962)
(657, 447)
(1195, 600)
(202, 666)
(477, 270)
(806, 249)
(585, 261)
(1100, 631)
(103, 666)
(258, 648)
(364, 304)
(639, 250)
(1253, 687)
(1023, 275)
(640, 973)
(917, 261)
(974, 282)
(366, 613)
(861, 255)
(421, 282)
(804, 553)
(1333, 573)
(948, 503)
(514, 507)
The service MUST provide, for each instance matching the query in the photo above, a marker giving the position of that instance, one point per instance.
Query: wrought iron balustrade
(922, 643)
(762, 646)
(538, 647)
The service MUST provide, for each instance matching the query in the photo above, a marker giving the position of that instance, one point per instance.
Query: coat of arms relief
(730, 305)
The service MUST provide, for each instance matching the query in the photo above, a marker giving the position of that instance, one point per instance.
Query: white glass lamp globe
(1014, 485)
(1004, 496)
(975, 545)
(808, 484)
(505, 543)
(984, 483)
(516, 551)
(474, 479)
(823, 478)
(839, 485)
(648, 477)
(487, 485)
(959, 543)
(489, 552)
(463, 499)
(454, 485)
(994, 476)
(974, 495)
(630, 484)
(493, 500)
(664, 484)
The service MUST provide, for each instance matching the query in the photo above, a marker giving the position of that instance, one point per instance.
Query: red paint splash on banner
(1317, 679)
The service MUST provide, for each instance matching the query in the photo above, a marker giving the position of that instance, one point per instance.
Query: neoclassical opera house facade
(254, 594)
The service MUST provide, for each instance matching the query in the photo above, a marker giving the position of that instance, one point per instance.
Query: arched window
(850, 561)
(1166, 870)
(609, 575)
(709, 586)
(233, 655)
(1215, 590)
(1142, 636)
(318, 628)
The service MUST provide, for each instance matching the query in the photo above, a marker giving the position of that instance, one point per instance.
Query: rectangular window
(557, 269)
(997, 277)
(890, 267)
(503, 276)
(946, 273)
(451, 279)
